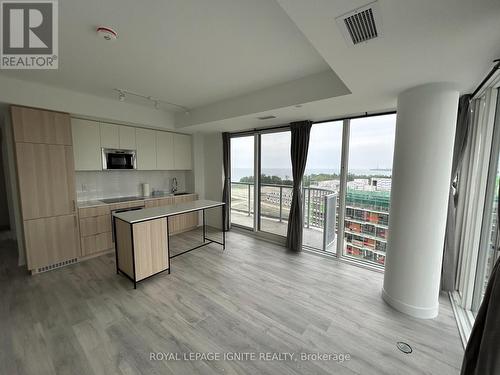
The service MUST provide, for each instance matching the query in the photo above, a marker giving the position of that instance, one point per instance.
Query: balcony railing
(276, 201)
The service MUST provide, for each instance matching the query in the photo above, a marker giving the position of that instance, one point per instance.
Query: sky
(371, 145)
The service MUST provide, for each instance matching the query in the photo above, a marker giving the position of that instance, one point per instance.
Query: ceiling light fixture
(156, 101)
(107, 33)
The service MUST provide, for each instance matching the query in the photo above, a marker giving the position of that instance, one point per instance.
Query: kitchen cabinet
(86, 145)
(127, 137)
(46, 183)
(184, 222)
(38, 126)
(146, 149)
(164, 151)
(182, 152)
(51, 240)
(46, 180)
(110, 135)
(117, 136)
(159, 202)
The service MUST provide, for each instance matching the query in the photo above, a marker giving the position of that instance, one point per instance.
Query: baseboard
(414, 311)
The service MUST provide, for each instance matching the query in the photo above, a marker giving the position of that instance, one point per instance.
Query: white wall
(213, 174)
(14, 91)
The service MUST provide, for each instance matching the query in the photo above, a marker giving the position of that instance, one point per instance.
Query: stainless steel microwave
(118, 159)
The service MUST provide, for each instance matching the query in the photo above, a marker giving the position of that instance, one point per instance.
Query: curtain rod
(287, 126)
(487, 78)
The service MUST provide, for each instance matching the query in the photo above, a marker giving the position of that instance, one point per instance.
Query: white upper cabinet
(127, 137)
(164, 150)
(110, 135)
(146, 149)
(182, 152)
(86, 145)
(117, 136)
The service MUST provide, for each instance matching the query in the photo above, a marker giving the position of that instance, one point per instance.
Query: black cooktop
(121, 199)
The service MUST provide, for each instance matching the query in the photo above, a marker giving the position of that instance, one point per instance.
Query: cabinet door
(184, 222)
(164, 150)
(50, 240)
(40, 126)
(46, 179)
(182, 152)
(86, 145)
(127, 137)
(110, 137)
(146, 149)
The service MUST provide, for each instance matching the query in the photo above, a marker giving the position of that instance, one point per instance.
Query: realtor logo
(29, 34)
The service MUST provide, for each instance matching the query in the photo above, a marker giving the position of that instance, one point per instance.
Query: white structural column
(425, 132)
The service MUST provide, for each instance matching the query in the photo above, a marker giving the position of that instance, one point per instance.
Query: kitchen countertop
(164, 211)
(97, 202)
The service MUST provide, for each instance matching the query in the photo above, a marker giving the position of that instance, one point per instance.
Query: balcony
(366, 217)
(275, 208)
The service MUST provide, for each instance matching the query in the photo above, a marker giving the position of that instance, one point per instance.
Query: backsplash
(109, 184)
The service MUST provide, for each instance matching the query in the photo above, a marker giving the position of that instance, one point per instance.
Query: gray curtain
(298, 152)
(482, 354)
(451, 248)
(226, 192)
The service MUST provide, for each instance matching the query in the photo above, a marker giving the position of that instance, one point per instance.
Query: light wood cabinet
(127, 137)
(86, 145)
(110, 135)
(38, 126)
(51, 240)
(182, 152)
(146, 149)
(184, 222)
(159, 202)
(164, 150)
(95, 229)
(46, 180)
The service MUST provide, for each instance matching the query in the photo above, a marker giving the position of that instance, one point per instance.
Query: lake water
(238, 173)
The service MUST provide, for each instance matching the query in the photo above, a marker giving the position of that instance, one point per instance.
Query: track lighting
(157, 102)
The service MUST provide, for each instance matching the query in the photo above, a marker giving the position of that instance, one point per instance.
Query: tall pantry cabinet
(46, 183)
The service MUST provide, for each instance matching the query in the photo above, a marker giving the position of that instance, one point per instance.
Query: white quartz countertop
(164, 211)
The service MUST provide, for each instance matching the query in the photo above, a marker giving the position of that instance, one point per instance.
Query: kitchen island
(142, 238)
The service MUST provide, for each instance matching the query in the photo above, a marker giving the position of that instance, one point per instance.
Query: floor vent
(361, 24)
(51, 267)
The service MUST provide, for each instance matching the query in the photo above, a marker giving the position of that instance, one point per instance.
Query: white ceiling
(209, 55)
(189, 52)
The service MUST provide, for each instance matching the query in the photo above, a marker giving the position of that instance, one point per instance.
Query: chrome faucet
(174, 185)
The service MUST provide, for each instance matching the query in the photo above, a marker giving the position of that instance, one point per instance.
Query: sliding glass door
(242, 181)
(371, 147)
(275, 182)
(321, 186)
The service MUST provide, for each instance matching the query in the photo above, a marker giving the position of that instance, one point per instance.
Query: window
(321, 181)
(366, 220)
(242, 181)
(275, 182)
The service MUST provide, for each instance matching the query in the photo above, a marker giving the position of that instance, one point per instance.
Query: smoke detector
(107, 33)
(361, 24)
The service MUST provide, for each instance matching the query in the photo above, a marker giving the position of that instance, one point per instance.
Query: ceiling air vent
(266, 117)
(361, 24)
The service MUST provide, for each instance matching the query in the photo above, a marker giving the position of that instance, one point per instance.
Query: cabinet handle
(74, 205)
(76, 223)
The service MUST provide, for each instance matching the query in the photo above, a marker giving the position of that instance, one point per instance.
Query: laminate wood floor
(254, 297)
